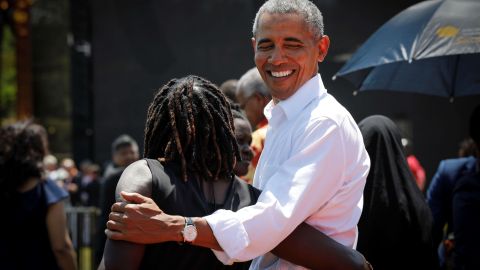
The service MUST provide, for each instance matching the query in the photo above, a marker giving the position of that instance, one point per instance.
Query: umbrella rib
(454, 77)
(412, 50)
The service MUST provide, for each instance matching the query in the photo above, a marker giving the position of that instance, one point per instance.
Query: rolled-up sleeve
(300, 187)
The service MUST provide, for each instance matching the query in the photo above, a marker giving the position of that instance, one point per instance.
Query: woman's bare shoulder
(137, 177)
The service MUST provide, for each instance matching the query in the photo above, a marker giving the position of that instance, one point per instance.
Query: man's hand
(140, 220)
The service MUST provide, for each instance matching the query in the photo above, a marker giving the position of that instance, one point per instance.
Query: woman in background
(34, 230)
(395, 229)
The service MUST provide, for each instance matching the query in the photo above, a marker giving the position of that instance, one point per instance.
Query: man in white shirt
(313, 167)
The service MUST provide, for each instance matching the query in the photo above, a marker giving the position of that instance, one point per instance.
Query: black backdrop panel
(139, 45)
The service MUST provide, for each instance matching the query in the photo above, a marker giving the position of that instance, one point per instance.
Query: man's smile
(281, 74)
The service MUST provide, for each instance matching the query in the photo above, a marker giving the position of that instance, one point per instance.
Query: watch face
(190, 233)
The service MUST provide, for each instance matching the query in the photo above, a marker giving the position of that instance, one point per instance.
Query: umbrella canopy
(432, 48)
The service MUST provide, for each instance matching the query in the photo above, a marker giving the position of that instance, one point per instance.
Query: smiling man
(313, 167)
(287, 50)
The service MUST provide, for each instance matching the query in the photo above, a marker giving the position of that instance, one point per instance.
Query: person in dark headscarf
(395, 229)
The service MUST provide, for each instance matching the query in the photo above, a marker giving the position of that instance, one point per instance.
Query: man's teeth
(281, 73)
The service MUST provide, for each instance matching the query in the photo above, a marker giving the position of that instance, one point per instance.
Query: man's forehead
(280, 16)
(274, 20)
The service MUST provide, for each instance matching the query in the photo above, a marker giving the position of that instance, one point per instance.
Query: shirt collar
(293, 105)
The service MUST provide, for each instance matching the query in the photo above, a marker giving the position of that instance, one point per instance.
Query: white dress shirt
(313, 168)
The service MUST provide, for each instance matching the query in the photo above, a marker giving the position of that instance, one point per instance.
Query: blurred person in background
(414, 165)
(395, 229)
(89, 186)
(467, 148)
(440, 200)
(69, 166)
(466, 210)
(86, 185)
(124, 152)
(34, 228)
(52, 170)
(51, 163)
(243, 135)
(228, 88)
(253, 95)
(72, 180)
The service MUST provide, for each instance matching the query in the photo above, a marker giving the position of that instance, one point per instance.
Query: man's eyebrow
(293, 39)
(263, 40)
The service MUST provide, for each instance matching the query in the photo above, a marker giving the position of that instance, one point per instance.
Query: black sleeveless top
(185, 198)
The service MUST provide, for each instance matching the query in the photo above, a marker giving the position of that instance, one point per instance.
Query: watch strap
(189, 222)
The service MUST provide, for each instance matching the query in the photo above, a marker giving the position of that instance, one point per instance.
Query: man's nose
(277, 57)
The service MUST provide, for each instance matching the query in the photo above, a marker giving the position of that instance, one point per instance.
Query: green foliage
(8, 75)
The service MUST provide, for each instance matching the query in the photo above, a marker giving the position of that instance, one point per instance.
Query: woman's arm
(311, 248)
(59, 239)
(120, 254)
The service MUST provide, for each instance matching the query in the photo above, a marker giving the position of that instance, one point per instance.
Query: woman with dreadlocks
(190, 154)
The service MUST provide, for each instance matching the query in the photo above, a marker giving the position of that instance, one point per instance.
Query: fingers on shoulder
(119, 207)
(116, 216)
(114, 235)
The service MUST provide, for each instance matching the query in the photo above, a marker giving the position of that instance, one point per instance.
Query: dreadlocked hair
(189, 123)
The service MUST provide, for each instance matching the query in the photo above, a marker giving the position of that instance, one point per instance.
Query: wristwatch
(189, 231)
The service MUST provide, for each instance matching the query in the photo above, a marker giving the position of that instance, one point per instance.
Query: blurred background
(87, 69)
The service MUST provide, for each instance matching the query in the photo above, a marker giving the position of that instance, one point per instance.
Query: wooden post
(22, 29)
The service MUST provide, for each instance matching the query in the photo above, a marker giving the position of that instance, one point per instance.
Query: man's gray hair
(308, 10)
(251, 82)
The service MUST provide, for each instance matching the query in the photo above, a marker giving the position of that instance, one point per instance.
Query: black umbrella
(432, 48)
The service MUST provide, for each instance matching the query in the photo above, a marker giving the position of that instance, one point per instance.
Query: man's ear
(254, 44)
(323, 45)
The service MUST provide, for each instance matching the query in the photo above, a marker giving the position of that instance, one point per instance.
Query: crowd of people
(267, 171)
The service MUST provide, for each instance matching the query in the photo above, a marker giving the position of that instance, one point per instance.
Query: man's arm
(305, 246)
(120, 254)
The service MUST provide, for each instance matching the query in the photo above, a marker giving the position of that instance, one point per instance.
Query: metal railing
(82, 225)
